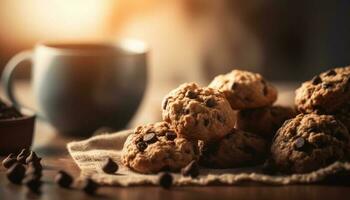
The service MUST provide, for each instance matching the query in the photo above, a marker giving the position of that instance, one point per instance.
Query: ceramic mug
(81, 87)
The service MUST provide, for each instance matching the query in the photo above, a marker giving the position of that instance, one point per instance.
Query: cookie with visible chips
(198, 113)
(325, 93)
(309, 142)
(237, 149)
(245, 90)
(264, 121)
(156, 147)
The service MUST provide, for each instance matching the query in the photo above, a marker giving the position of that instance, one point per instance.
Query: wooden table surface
(51, 146)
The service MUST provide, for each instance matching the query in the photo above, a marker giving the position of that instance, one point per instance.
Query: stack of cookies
(233, 123)
(319, 135)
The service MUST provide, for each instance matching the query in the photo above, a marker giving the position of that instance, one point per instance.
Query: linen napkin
(89, 155)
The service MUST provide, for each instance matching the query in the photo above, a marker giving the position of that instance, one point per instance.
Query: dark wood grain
(51, 146)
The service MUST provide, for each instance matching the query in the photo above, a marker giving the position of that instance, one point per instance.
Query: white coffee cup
(81, 87)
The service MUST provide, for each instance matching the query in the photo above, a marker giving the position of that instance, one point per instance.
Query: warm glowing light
(133, 45)
(32, 20)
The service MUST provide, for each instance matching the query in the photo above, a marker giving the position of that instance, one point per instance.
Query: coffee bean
(109, 166)
(141, 146)
(32, 157)
(15, 173)
(90, 186)
(33, 183)
(191, 169)
(170, 135)
(190, 94)
(331, 73)
(150, 138)
(165, 103)
(210, 102)
(22, 156)
(9, 161)
(63, 179)
(165, 180)
(316, 80)
(299, 143)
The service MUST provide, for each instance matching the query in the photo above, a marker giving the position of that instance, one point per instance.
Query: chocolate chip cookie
(198, 113)
(156, 147)
(237, 149)
(325, 93)
(264, 121)
(309, 142)
(343, 114)
(245, 89)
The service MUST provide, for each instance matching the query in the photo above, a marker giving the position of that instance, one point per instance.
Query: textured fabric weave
(89, 155)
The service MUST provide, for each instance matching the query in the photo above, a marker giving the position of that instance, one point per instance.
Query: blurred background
(191, 40)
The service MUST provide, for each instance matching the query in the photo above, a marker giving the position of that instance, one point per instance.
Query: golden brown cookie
(198, 113)
(309, 142)
(245, 89)
(264, 121)
(237, 149)
(156, 147)
(326, 93)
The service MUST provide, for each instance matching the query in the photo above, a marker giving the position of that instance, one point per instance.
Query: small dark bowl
(16, 134)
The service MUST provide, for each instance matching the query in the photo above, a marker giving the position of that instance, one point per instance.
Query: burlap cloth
(90, 153)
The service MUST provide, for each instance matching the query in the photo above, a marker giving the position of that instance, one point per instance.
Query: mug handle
(8, 75)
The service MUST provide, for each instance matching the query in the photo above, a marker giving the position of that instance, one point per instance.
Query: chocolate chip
(247, 149)
(9, 161)
(340, 136)
(316, 80)
(90, 186)
(347, 85)
(327, 85)
(150, 138)
(190, 94)
(206, 122)
(210, 102)
(265, 90)
(299, 143)
(221, 118)
(32, 157)
(33, 170)
(170, 135)
(33, 183)
(191, 169)
(15, 173)
(165, 180)
(234, 86)
(22, 156)
(141, 146)
(63, 179)
(269, 167)
(109, 166)
(165, 103)
(331, 73)
(8, 112)
(36, 164)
